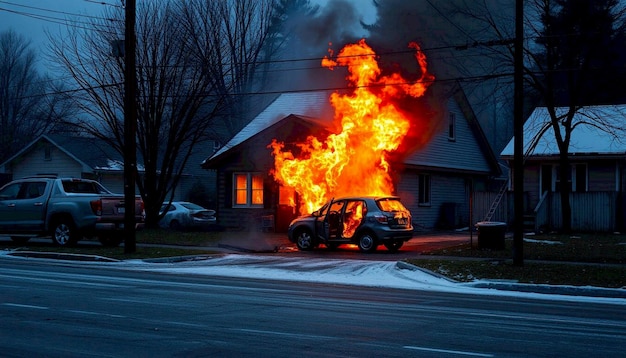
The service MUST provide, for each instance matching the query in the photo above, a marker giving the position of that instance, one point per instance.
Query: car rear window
(192, 206)
(84, 187)
(390, 205)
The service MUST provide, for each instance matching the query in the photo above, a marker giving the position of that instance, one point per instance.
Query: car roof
(372, 197)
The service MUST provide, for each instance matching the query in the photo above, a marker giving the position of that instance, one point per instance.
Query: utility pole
(518, 132)
(130, 127)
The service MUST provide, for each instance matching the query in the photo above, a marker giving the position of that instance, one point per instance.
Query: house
(435, 183)
(598, 159)
(82, 157)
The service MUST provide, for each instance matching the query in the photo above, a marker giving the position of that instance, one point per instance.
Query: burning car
(365, 221)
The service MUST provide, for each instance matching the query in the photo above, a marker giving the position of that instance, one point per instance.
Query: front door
(286, 208)
(30, 207)
(333, 224)
(8, 198)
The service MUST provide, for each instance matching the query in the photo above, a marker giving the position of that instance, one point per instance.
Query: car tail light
(382, 219)
(96, 207)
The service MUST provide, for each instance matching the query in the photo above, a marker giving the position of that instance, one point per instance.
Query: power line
(104, 3)
(57, 20)
(57, 11)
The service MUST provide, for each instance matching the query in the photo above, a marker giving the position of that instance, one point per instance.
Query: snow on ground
(367, 273)
(347, 272)
(544, 242)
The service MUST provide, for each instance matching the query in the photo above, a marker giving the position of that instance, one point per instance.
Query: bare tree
(570, 63)
(194, 60)
(27, 110)
(572, 56)
(229, 38)
(576, 43)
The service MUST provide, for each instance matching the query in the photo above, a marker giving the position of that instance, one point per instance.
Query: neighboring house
(83, 157)
(435, 183)
(598, 162)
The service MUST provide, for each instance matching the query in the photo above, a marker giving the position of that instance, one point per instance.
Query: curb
(554, 290)
(588, 291)
(407, 266)
(62, 256)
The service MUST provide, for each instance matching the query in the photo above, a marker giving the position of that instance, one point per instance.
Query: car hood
(303, 218)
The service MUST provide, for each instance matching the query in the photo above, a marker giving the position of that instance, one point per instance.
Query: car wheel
(304, 240)
(20, 239)
(110, 241)
(394, 246)
(64, 233)
(367, 242)
(175, 225)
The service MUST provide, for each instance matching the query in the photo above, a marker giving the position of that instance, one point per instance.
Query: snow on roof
(310, 104)
(586, 138)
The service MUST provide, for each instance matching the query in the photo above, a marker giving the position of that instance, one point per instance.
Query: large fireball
(353, 161)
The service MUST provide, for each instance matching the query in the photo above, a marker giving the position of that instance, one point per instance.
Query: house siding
(59, 164)
(462, 153)
(246, 161)
(449, 200)
(602, 176)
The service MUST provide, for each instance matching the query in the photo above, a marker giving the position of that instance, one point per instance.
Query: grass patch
(593, 248)
(208, 239)
(578, 260)
(184, 238)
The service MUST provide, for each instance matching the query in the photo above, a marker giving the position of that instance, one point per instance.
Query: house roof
(309, 106)
(302, 104)
(587, 138)
(471, 154)
(94, 152)
(91, 153)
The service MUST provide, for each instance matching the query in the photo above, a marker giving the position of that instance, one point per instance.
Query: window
(546, 179)
(424, 190)
(551, 178)
(451, 127)
(580, 178)
(248, 190)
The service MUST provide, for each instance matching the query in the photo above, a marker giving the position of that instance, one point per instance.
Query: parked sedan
(364, 221)
(180, 215)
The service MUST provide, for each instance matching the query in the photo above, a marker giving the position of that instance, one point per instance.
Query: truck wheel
(394, 246)
(64, 233)
(110, 241)
(304, 240)
(367, 242)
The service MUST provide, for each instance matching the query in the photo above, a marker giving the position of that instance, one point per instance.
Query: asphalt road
(66, 309)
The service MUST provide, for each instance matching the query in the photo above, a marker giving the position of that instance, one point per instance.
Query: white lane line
(285, 334)
(96, 313)
(24, 306)
(448, 351)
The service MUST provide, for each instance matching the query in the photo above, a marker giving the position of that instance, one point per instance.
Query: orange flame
(352, 218)
(355, 160)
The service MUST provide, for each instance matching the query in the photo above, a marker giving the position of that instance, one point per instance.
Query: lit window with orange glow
(248, 190)
(257, 190)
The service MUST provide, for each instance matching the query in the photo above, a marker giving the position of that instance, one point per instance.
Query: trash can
(491, 234)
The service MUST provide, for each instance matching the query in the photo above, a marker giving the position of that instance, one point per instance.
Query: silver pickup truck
(66, 209)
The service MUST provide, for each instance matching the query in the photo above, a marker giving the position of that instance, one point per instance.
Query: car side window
(10, 192)
(32, 190)
(335, 208)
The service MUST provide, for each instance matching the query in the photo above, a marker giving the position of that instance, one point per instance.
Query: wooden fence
(591, 211)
